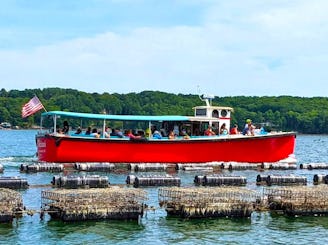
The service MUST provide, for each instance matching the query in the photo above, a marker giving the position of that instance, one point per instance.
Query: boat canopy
(115, 117)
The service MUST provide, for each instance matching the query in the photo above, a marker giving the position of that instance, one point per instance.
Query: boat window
(215, 113)
(224, 113)
(200, 112)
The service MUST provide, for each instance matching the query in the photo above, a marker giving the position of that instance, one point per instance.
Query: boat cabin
(209, 115)
(214, 116)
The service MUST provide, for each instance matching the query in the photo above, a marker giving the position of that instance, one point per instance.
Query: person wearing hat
(249, 128)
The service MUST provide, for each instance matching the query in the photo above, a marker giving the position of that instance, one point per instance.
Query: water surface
(18, 146)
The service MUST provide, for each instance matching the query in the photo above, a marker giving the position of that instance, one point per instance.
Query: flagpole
(41, 103)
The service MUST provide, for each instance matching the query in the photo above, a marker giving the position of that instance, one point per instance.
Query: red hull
(253, 149)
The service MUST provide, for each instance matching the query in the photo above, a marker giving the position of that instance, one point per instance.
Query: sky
(219, 47)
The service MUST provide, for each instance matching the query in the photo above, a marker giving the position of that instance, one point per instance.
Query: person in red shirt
(132, 136)
(234, 130)
(209, 131)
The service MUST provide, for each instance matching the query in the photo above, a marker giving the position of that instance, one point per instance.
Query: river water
(18, 146)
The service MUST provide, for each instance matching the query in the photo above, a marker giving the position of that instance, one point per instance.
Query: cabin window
(215, 113)
(200, 112)
(224, 113)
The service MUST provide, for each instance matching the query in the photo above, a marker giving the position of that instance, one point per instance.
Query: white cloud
(242, 48)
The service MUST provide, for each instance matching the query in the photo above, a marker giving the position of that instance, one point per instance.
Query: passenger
(107, 132)
(60, 132)
(184, 134)
(141, 133)
(171, 135)
(209, 131)
(147, 132)
(163, 132)
(65, 127)
(234, 130)
(157, 135)
(117, 132)
(249, 128)
(78, 130)
(88, 131)
(176, 130)
(223, 129)
(131, 135)
(95, 133)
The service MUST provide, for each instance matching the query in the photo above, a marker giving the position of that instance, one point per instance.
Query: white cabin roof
(213, 107)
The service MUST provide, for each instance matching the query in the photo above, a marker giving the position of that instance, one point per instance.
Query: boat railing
(193, 137)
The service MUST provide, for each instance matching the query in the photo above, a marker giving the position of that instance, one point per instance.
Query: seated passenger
(171, 135)
(65, 127)
(107, 132)
(209, 131)
(176, 130)
(88, 131)
(78, 130)
(157, 135)
(184, 134)
(131, 135)
(117, 132)
(60, 132)
(147, 132)
(234, 130)
(163, 132)
(95, 133)
(223, 129)
(249, 128)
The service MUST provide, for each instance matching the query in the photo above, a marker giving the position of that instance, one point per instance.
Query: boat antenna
(207, 98)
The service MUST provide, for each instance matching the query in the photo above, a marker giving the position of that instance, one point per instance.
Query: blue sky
(226, 48)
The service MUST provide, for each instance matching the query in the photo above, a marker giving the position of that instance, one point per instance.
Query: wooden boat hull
(252, 149)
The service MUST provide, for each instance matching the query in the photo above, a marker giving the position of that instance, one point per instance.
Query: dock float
(95, 167)
(205, 202)
(239, 166)
(210, 166)
(73, 182)
(94, 204)
(41, 167)
(13, 183)
(320, 179)
(11, 203)
(218, 180)
(281, 180)
(156, 180)
(311, 166)
(150, 167)
(279, 166)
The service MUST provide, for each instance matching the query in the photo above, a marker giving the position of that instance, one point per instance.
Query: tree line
(287, 113)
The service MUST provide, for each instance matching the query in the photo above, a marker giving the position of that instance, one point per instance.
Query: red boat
(191, 147)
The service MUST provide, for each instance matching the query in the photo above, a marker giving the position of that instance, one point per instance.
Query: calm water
(18, 147)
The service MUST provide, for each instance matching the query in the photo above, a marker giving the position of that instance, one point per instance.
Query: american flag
(32, 107)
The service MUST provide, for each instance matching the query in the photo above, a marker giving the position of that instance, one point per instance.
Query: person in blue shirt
(157, 135)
